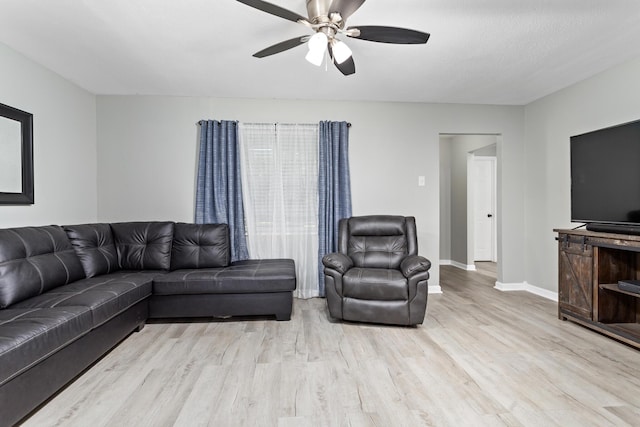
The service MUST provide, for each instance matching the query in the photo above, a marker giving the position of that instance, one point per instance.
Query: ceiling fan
(327, 18)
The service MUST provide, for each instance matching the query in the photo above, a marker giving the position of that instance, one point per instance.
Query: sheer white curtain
(279, 164)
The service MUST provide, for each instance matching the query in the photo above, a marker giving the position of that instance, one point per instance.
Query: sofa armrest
(414, 264)
(337, 261)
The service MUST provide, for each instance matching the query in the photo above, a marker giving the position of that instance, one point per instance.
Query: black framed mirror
(16, 156)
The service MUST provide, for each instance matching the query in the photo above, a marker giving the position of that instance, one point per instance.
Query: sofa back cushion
(200, 246)
(34, 260)
(143, 245)
(95, 247)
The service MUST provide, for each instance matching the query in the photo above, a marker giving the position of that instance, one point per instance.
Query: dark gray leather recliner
(376, 275)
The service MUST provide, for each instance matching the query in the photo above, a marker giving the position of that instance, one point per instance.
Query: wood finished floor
(482, 357)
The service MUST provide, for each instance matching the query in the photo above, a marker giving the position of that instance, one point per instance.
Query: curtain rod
(348, 123)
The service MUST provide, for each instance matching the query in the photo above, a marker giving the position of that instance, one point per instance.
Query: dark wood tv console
(590, 266)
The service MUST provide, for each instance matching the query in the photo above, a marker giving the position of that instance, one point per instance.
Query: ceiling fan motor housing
(318, 8)
(320, 15)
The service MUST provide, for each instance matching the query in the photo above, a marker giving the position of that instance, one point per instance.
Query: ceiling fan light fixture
(341, 51)
(317, 47)
(315, 57)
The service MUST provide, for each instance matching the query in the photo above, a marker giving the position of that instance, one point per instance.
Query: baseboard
(524, 286)
(458, 264)
(434, 289)
(505, 287)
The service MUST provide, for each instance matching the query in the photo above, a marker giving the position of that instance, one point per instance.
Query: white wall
(64, 143)
(147, 157)
(610, 98)
(445, 198)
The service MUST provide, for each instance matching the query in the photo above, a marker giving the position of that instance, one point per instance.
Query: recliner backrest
(378, 241)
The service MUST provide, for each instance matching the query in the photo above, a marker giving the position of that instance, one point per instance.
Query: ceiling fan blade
(274, 10)
(281, 47)
(347, 68)
(345, 7)
(394, 35)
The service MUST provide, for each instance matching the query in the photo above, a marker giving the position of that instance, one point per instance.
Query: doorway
(469, 219)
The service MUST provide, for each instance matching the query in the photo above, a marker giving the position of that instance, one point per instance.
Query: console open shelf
(613, 287)
(590, 266)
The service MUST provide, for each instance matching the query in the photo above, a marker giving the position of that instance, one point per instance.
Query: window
(280, 190)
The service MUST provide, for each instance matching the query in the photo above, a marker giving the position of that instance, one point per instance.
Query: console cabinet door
(575, 286)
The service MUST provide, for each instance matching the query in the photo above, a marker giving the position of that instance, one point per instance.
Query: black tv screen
(605, 175)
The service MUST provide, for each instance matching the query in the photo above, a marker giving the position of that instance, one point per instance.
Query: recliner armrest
(414, 264)
(337, 261)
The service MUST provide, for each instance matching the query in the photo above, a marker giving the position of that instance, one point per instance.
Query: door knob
(489, 216)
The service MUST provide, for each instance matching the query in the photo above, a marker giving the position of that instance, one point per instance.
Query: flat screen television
(605, 178)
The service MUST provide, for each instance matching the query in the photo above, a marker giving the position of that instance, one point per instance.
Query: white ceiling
(480, 51)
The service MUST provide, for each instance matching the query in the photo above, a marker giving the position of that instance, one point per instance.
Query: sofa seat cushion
(248, 276)
(29, 335)
(106, 296)
(375, 284)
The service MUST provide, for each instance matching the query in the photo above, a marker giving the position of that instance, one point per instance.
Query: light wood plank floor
(487, 268)
(483, 357)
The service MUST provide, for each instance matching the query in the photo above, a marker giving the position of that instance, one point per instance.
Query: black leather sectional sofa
(69, 294)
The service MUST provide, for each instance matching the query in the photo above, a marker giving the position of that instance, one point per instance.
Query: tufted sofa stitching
(146, 242)
(188, 275)
(27, 258)
(144, 246)
(61, 321)
(57, 298)
(101, 249)
(49, 263)
(66, 269)
(200, 246)
(34, 336)
(18, 316)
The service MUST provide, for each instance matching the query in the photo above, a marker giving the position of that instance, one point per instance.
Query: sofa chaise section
(204, 283)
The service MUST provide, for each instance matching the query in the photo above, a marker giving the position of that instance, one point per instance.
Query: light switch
(421, 181)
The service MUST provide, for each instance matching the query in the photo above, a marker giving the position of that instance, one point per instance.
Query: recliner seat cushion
(200, 246)
(375, 284)
(105, 296)
(95, 247)
(143, 245)
(34, 260)
(247, 276)
(28, 336)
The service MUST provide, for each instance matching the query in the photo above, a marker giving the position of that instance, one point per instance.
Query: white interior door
(484, 194)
